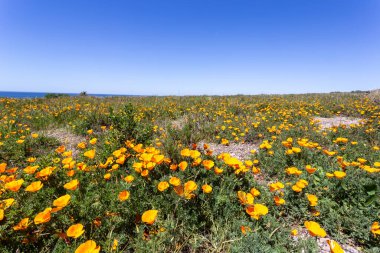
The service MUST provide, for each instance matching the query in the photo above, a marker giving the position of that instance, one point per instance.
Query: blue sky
(184, 47)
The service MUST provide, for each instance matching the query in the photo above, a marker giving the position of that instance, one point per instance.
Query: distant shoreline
(20, 94)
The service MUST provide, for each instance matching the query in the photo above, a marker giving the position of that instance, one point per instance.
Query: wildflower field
(160, 174)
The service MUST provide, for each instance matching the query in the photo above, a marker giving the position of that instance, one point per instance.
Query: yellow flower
(208, 164)
(72, 185)
(1, 214)
(310, 169)
(43, 216)
(255, 192)
(45, 172)
(190, 186)
(162, 186)
(183, 165)
(302, 183)
(334, 247)
(93, 141)
(62, 201)
(124, 195)
(225, 142)
(3, 166)
(296, 150)
(256, 211)
(185, 152)
(144, 173)
(296, 188)
(88, 247)
(114, 244)
(75, 231)
(293, 171)
(294, 232)
(158, 159)
(22, 225)
(35, 186)
(6, 203)
(129, 178)
(276, 186)
(81, 145)
(107, 176)
(279, 201)
(206, 188)
(175, 181)
(375, 228)
(149, 217)
(339, 174)
(60, 149)
(315, 229)
(245, 198)
(313, 200)
(218, 171)
(90, 153)
(14, 185)
(173, 167)
(31, 159)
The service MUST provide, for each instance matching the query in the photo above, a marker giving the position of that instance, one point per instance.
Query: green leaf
(371, 189)
(370, 200)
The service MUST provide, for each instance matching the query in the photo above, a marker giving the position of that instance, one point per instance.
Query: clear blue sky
(183, 47)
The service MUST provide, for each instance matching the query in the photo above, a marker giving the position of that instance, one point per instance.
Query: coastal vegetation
(190, 174)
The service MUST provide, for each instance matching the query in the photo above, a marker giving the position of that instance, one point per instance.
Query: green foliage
(56, 95)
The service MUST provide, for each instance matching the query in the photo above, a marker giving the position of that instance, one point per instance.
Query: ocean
(16, 94)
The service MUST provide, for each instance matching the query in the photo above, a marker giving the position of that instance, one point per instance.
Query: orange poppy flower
(90, 153)
(313, 200)
(256, 211)
(335, 247)
(206, 188)
(208, 164)
(75, 231)
(14, 185)
(175, 181)
(35, 186)
(183, 165)
(190, 186)
(72, 185)
(22, 225)
(129, 179)
(43, 216)
(162, 186)
(124, 195)
(62, 201)
(315, 229)
(88, 247)
(149, 217)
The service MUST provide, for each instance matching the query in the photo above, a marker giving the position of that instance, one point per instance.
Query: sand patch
(337, 121)
(66, 138)
(348, 247)
(242, 151)
(179, 123)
